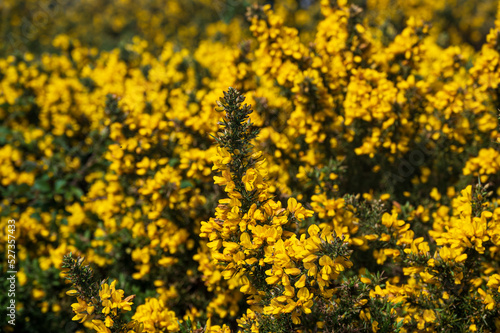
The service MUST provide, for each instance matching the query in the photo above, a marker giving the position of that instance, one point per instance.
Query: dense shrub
(347, 183)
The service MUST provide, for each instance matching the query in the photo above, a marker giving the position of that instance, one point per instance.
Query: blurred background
(32, 25)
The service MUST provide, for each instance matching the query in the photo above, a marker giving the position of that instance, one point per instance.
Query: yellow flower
(487, 299)
(100, 327)
(249, 179)
(156, 317)
(297, 209)
(72, 292)
(83, 310)
(105, 294)
(429, 316)
(112, 299)
(305, 300)
(301, 282)
(221, 159)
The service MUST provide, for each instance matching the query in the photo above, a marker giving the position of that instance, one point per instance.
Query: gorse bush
(314, 167)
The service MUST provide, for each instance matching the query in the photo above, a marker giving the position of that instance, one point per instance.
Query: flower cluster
(101, 305)
(256, 240)
(355, 191)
